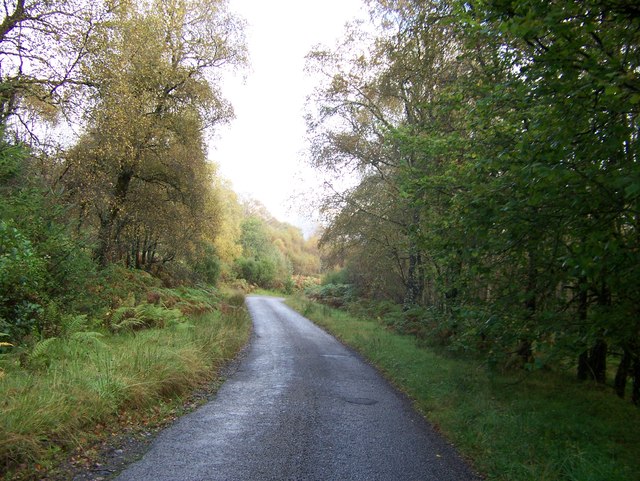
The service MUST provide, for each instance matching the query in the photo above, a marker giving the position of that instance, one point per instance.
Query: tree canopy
(496, 146)
(105, 111)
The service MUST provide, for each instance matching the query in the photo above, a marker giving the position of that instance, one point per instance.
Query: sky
(261, 151)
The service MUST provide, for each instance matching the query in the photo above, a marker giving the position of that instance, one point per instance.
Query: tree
(143, 158)
(506, 135)
(43, 44)
(41, 262)
(227, 235)
(261, 262)
(368, 238)
(379, 109)
(571, 70)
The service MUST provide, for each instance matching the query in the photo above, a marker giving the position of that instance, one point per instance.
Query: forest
(493, 152)
(104, 162)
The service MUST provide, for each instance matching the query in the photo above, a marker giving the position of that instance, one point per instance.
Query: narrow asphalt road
(300, 407)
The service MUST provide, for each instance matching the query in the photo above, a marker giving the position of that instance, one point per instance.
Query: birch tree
(143, 153)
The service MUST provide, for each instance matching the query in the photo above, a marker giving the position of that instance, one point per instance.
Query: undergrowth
(154, 345)
(514, 426)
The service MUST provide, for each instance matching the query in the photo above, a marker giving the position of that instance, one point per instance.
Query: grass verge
(55, 396)
(541, 426)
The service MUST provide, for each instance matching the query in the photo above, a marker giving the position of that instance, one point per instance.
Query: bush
(204, 264)
(208, 269)
(261, 272)
(335, 295)
(41, 262)
(236, 299)
(302, 283)
(289, 285)
(336, 277)
(21, 280)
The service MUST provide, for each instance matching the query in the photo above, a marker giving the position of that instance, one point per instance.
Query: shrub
(302, 283)
(22, 276)
(335, 295)
(207, 264)
(261, 272)
(336, 277)
(41, 262)
(289, 285)
(236, 299)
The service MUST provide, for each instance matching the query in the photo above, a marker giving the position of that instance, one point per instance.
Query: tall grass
(65, 386)
(541, 426)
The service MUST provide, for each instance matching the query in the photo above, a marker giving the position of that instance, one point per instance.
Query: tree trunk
(598, 361)
(415, 273)
(635, 392)
(525, 350)
(598, 353)
(139, 260)
(583, 366)
(104, 240)
(415, 282)
(620, 382)
(583, 358)
(108, 235)
(151, 256)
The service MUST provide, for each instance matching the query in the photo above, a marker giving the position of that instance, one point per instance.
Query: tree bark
(620, 382)
(108, 235)
(598, 353)
(583, 358)
(415, 273)
(597, 361)
(12, 20)
(583, 366)
(525, 349)
(635, 392)
(592, 363)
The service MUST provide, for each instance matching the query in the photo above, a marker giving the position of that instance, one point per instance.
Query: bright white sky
(261, 151)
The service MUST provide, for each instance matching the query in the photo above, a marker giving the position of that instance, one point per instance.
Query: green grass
(541, 426)
(53, 395)
(268, 292)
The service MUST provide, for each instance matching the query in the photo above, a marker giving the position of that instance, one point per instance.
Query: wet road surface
(300, 407)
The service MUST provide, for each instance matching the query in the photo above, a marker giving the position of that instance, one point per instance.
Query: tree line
(105, 108)
(494, 151)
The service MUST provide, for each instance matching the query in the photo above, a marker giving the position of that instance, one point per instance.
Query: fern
(88, 337)
(157, 315)
(41, 349)
(122, 313)
(130, 301)
(143, 316)
(129, 324)
(126, 318)
(4, 343)
(181, 326)
(74, 323)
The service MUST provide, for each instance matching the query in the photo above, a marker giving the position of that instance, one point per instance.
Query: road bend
(301, 406)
